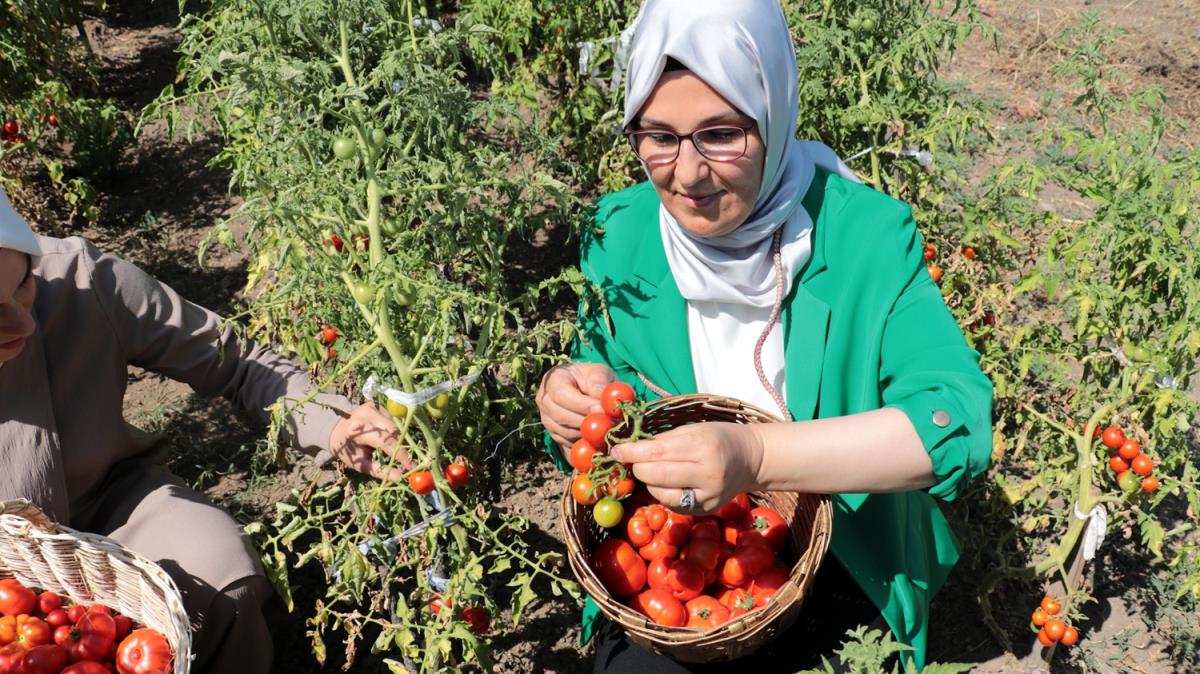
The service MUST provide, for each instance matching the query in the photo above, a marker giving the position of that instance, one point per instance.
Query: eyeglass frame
(679, 138)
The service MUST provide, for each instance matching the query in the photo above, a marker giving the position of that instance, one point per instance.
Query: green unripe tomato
(608, 512)
(363, 293)
(378, 137)
(343, 148)
(396, 409)
(868, 23)
(1128, 482)
(854, 23)
(1135, 352)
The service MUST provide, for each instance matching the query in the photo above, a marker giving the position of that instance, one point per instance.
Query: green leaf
(1152, 535)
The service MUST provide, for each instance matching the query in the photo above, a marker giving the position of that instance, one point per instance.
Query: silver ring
(688, 500)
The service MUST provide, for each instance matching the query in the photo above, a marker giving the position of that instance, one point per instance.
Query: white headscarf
(14, 231)
(743, 50)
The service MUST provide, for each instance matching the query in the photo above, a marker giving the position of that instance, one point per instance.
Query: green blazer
(864, 328)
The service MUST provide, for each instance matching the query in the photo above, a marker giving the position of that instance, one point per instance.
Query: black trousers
(835, 605)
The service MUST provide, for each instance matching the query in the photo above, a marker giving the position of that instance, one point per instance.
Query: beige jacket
(61, 424)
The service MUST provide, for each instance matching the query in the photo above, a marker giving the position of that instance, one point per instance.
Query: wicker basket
(92, 569)
(810, 524)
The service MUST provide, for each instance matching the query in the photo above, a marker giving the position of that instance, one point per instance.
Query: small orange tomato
(1044, 638)
(969, 252)
(1039, 618)
(1117, 465)
(936, 272)
(583, 490)
(1113, 437)
(1150, 484)
(1055, 629)
(421, 482)
(580, 456)
(1142, 465)
(1070, 637)
(1051, 605)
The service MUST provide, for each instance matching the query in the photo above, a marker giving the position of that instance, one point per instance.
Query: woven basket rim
(23, 519)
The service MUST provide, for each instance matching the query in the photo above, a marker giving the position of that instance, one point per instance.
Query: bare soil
(167, 198)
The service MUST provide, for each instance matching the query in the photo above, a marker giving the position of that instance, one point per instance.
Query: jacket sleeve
(164, 333)
(928, 371)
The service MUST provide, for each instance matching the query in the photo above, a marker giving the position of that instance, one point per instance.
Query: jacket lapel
(805, 321)
(657, 337)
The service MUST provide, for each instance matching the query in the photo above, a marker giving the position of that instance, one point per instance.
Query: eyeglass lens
(717, 144)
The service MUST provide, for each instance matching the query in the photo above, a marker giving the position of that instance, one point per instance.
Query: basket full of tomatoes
(698, 589)
(79, 603)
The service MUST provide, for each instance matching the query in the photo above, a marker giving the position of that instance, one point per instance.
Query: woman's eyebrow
(727, 116)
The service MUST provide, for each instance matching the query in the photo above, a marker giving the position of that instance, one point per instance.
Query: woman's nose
(690, 166)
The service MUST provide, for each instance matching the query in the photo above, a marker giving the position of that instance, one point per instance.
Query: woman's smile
(699, 200)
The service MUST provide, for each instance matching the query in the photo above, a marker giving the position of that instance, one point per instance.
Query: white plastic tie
(412, 400)
(1093, 535)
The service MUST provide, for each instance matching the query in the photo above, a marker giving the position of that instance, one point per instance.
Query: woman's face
(17, 291)
(708, 198)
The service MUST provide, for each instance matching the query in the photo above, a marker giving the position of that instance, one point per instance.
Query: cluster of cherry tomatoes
(39, 635)
(458, 474)
(930, 253)
(1052, 630)
(699, 572)
(328, 336)
(477, 618)
(1131, 468)
(601, 482)
(10, 133)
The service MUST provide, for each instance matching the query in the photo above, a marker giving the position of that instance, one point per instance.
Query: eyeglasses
(718, 143)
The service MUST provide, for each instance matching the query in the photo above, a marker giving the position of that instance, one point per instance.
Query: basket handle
(25, 508)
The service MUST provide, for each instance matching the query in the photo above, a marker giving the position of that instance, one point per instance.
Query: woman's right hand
(568, 393)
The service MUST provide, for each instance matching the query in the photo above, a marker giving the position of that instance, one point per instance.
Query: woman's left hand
(356, 437)
(717, 460)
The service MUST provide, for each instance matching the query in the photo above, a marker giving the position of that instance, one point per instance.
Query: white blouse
(723, 336)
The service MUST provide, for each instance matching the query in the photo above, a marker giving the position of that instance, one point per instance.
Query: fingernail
(616, 452)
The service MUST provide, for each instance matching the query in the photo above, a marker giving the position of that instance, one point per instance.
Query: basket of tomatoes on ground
(696, 588)
(79, 603)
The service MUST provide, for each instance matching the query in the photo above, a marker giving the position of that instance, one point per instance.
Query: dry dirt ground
(166, 199)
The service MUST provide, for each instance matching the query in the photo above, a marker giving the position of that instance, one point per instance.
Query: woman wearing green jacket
(755, 266)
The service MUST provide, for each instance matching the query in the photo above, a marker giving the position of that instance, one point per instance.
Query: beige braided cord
(92, 569)
(762, 339)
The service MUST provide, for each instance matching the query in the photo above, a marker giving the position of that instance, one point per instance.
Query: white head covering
(743, 50)
(14, 231)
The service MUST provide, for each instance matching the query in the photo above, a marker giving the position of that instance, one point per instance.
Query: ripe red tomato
(736, 510)
(930, 252)
(730, 532)
(53, 119)
(58, 618)
(656, 516)
(583, 490)
(705, 612)
(658, 548)
(749, 559)
(91, 638)
(1039, 618)
(76, 612)
(11, 128)
(661, 608)
(771, 525)
(1044, 638)
(619, 568)
(1142, 465)
(580, 456)
(1070, 637)
(45, 659)
(421, 482)
(935, 272)
(656, 573)
(1055, 628)
(329, 334)
(1117, 465)
(613, 395)
(458, 474)
(144, 651)
(678, 528)
(968, 252)
(686, 579)
(706, 528)
(336, 242)
(1051, 605)
(704, 552)
(765, 584)
(738, 600)
(15, 598)
(1113, 437)
(478, 619)
(86, 667)
(1150, 484)
(331, 353)
(638, 530)
(594, 429)
(124, 626)
(49, 601)
(1129, 449)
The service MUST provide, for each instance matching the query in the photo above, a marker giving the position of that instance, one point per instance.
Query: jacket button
(941, 418)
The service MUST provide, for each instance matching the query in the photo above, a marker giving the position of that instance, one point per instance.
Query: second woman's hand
(717, 460)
